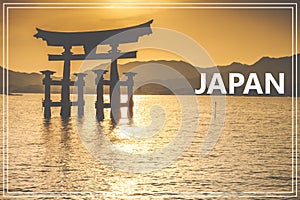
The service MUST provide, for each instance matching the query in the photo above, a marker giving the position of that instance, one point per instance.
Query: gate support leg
(47, 101)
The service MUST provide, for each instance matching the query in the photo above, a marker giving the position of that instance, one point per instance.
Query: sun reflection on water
(148, 130)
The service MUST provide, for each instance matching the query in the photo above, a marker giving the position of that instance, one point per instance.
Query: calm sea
(252, 156)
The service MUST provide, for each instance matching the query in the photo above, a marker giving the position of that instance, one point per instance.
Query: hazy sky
(228, 35)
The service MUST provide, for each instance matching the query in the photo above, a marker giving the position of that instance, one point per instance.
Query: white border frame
(292, 6)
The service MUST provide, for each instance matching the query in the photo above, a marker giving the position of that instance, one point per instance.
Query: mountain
(153, 74)
(156, 72)
(20, 82)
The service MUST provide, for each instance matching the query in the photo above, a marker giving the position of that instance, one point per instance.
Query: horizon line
(180, 60)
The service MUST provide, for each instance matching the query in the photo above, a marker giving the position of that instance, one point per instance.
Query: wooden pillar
(65, 87)
(99, 105)
(47, 99)
(115, 98)
(130, 76)
(80, 84)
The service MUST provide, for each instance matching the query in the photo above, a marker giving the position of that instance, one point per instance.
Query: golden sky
(228, 35)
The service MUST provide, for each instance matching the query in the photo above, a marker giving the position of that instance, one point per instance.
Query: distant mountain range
(20, 82)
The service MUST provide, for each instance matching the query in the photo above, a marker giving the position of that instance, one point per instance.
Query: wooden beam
(124, 104)
(122, 83)
(106, 82)
(107, 105)
(107, 56)
(58, 104)
(59, 82)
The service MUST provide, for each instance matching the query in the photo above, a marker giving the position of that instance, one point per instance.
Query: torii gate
(89, 41)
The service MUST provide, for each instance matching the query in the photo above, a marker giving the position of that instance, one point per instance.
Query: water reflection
(66, 128)
(251, 155)
(57, 134)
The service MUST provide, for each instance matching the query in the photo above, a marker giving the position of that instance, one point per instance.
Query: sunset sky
(228, 35)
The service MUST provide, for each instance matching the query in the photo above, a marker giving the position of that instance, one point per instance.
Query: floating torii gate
(89, 41)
